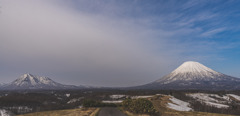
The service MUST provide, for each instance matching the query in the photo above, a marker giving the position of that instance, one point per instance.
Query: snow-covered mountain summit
(193, 75)
(29, 81)
(194, 67)
(190, 71)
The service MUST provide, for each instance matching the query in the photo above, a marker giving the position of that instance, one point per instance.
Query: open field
(160, 104)
(71, 112)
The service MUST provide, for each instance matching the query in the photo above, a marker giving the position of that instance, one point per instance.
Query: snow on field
(202, 96)
(234, 96)
(75, 100)
(117, 96)
(212, 99)
(179, 105)
(113, 101)
(137, 97)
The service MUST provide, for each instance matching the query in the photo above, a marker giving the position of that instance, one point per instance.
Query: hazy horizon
(116, 43)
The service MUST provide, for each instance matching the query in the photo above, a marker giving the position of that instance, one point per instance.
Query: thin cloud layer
(100, 43)
(40, 37)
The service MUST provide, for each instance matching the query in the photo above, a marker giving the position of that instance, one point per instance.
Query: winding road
(110, 111)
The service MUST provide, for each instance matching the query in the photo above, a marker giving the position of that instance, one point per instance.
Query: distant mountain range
(193, 75)
(189, 76)
(29, 81)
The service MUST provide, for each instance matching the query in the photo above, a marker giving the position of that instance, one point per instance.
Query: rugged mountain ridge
(29, 81)
(193, 75)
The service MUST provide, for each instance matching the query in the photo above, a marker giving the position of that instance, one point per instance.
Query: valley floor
(167, 103)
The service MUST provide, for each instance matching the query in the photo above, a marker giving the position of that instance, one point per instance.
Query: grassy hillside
(70, 112)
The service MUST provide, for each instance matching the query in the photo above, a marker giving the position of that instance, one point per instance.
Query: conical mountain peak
(193, 67)
(191, 71)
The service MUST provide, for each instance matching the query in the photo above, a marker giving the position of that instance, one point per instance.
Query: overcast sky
(116, 43)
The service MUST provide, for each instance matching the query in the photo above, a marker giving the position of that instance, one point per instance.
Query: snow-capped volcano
(190, 71)
(193, 75)
(29, 81)
(193, 67)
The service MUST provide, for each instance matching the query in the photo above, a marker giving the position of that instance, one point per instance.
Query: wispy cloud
(212, 32)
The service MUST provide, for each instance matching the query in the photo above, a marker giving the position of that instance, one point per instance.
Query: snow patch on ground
(75, 100)
(179, 105)
(67, 95)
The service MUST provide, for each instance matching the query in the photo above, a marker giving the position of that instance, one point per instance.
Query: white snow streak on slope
(235, 96)
(117, 96)
(217, 105)
(3, 113)
(179, 105)
(209, 99)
